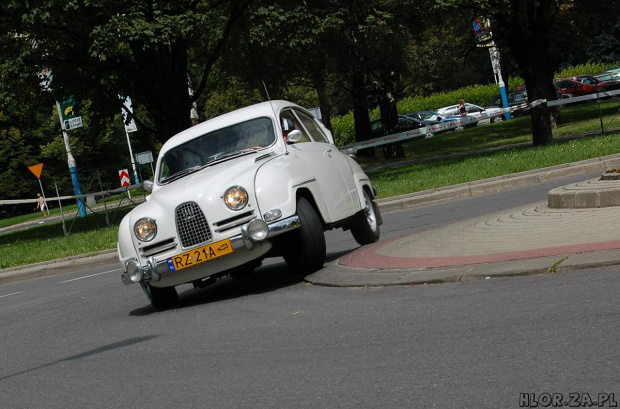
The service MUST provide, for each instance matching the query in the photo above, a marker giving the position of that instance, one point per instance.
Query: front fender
(277, 183)
(125, 247)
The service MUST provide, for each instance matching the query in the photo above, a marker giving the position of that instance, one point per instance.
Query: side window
(289, 122)
(313, 128)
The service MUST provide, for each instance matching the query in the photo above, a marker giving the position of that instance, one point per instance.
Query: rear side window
(313, 128)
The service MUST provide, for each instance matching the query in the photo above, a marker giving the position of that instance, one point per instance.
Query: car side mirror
(294, 136)
(147, 185)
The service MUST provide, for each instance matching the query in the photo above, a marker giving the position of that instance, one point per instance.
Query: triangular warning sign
(36, 169)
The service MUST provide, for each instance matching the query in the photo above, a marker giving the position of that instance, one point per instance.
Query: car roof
(263, 109)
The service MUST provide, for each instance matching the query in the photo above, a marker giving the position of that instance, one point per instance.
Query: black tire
(162, 298)
(367, 231)
(498, 119)
(307, 249)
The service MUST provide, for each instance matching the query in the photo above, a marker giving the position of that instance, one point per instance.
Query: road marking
(8, 295)
(89, 276)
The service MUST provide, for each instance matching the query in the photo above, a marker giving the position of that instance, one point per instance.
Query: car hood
(214, 179)
(206, 188)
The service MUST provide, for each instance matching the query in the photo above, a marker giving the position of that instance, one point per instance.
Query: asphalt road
(83, 340)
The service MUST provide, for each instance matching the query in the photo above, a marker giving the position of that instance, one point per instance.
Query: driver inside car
(287, 127)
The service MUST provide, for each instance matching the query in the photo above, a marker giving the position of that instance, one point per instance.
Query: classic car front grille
(192, 226)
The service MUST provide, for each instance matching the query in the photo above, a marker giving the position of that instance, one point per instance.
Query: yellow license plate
(200, 255)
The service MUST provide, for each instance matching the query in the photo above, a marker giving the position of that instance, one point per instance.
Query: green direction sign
(70, 111)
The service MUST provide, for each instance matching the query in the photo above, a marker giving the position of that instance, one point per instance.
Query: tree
(535, 34)
(100, 50)
(20, 118)
(358, 41)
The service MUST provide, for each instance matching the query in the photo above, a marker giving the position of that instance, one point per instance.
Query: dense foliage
(356, 60)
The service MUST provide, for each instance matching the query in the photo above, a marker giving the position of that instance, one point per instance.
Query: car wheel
(307, 251)
(367, 231)
(429, 135)
(498, 119)
(459, 128)
(165, 297)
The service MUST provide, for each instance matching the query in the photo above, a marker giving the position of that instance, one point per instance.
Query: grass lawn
(87, 235)
(91, 234)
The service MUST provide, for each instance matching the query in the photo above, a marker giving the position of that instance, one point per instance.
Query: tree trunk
(360, 114)
(526, 30)
(319, 84)
(389, 119)
(540, 86)
(163, 86)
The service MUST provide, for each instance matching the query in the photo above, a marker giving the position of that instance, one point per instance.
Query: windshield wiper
(181, 173)
(240, 152)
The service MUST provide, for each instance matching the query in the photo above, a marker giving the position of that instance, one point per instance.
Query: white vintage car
(262, 181)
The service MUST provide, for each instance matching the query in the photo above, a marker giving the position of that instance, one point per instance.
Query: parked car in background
(431, 118)
(601, 85)
(514, 98)
(262, 181)
(567, 86)
(609, 76)
(404, 124)
(427, 116)
(614, 70)
(474, 110)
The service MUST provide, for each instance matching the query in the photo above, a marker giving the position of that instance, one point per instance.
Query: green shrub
(585, 69)
(343, 129)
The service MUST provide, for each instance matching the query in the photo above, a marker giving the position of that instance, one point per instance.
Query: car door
(329, 166)
(476, 112)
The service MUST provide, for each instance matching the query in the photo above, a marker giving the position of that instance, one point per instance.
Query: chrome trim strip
(283, 226)
(305, 182)
(155, 250)
(235, 223)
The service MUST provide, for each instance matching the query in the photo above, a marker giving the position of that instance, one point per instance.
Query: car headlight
(236, 198)
(145, 229)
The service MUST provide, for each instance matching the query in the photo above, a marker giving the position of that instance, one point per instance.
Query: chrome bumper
(153, 269)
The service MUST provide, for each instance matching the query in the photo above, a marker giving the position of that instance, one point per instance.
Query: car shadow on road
(267, 278)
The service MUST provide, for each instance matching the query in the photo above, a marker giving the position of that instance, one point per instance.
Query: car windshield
(236, 140)
(430, 116)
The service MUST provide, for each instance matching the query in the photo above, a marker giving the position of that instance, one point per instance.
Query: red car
(592, 80)
(566, 86)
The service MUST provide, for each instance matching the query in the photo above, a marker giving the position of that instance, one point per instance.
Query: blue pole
(72, 167)
(78, 190)
(502, 92)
